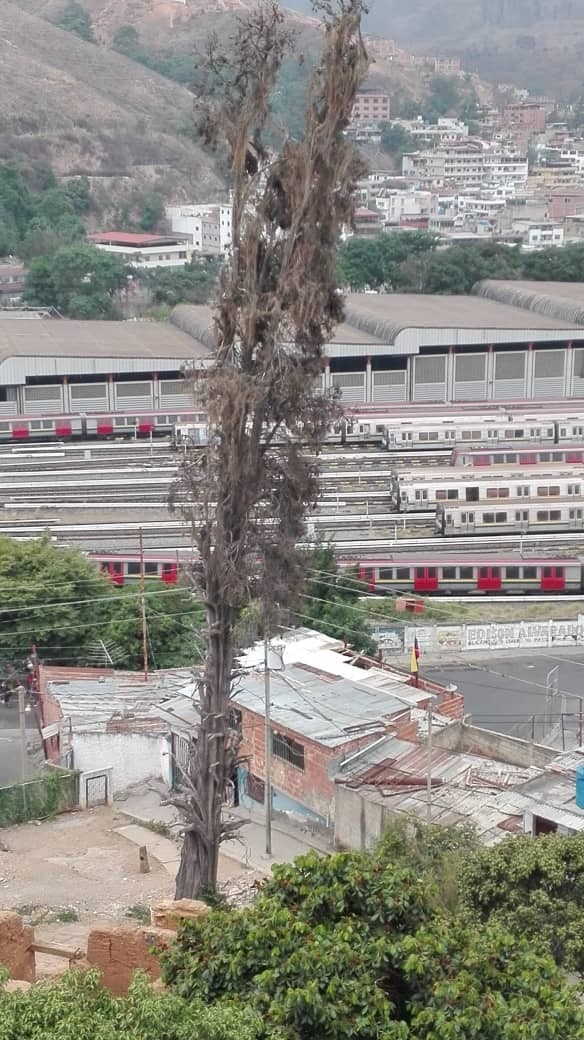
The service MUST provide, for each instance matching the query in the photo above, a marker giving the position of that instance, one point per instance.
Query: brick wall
(312, 787)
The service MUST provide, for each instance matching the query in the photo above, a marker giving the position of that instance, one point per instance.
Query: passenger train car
(540, 427)
(103, 425)
(535, 455)
(467, 574)
(516, 517)
(420, 489)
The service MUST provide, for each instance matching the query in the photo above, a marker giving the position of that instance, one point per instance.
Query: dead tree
(249, 491)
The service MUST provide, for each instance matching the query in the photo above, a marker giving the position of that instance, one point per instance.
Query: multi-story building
(399, 205)
(466, 164)
(539, 235)
(564, 202)
(209, 227)
(12, 278)
(144, 250)
(371, 107)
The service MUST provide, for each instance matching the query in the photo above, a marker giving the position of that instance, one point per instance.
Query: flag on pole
(414, 661)
(416, 648)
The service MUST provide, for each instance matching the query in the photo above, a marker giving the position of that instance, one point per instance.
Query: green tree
(458, 268)
(48, 596)
(78, 280)
(535, 888)
(444, 97)
(152, 211)
(330, 602)
(78, 192)
(174, 621)
(193, 283)
(77, 1007)
(75, 19)
(395, 140)
(364, 262)
(353, 946)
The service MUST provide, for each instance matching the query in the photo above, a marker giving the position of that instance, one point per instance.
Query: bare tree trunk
(248, 492)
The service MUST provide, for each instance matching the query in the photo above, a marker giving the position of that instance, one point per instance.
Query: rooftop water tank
(580, 786)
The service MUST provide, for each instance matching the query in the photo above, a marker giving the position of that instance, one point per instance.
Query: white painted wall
(134, 757)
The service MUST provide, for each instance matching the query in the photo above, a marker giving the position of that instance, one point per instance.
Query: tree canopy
(404, 261)
(533, 888)
(357, 946)
(330, 602)
(36, 214)
(74, 18)
(79, 280)
(56, 599)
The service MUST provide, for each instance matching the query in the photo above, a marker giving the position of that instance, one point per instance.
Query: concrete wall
(359, 822)
(133, 756)
(462, 737)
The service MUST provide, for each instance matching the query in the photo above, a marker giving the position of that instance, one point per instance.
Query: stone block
(16, 953)
(170, 913)
(17, 986)
(121, 950)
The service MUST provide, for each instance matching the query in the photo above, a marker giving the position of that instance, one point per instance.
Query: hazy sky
(375, 21)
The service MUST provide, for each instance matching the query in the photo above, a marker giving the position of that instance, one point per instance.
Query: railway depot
(508, 342)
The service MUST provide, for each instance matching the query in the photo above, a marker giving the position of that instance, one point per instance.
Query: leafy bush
(355, 945)
(77, 1008)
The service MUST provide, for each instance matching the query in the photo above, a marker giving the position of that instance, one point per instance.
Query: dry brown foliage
(248, 493)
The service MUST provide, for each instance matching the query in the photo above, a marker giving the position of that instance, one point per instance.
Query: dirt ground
(77, 861)
(65, 874)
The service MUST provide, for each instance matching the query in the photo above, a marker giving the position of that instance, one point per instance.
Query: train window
(150, 568)
(563, 431)
(543, 492)
(501, 518)
(528, 458)
(35, 424)
(449, 573)
(574, 489)
(496, 572)
(466, 574)
(466, 435)
(133, 568)
(482, 460)
(402, 573)
(419, 572)
(545, 456)
(575, 514)
(512, 573)
(554, 490)
(422, 436)
(522, 517)
(555, 515)
(511, 457)
(519, 435)
(483, 572)
(547, 572)
(523, 491)
(529, 573)
(386, 573)
(574, 456)
(431, 572)
(433, 436)
(440, 495)
(543, 515)
(421, 494)
(488, 518)
(492, 492)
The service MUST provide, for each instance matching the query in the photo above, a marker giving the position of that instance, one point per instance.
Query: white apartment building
(397, 205)
(469, 164)
(445, 131)
(143, 250)
(539, 235)
(209, 227)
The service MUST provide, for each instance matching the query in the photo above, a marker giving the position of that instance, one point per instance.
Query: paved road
(10, 757)
(517, 695)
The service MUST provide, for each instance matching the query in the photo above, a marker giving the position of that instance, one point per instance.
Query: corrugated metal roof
(93, 695)
(97, 339)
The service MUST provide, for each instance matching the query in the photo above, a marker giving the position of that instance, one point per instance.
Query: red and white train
(425, 574)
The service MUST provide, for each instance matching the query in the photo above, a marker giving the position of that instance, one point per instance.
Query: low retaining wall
(395, 640)
(117, 950)
(53, 792)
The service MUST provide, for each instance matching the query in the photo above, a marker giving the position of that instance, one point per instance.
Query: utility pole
(22, 726)
(268, 747)
(143, 609)
(429, 769)
(581, 722)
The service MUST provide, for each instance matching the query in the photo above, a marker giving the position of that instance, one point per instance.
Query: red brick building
(371, 106)
(325, 705)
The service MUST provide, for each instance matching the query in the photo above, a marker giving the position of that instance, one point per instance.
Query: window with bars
(288, 750)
